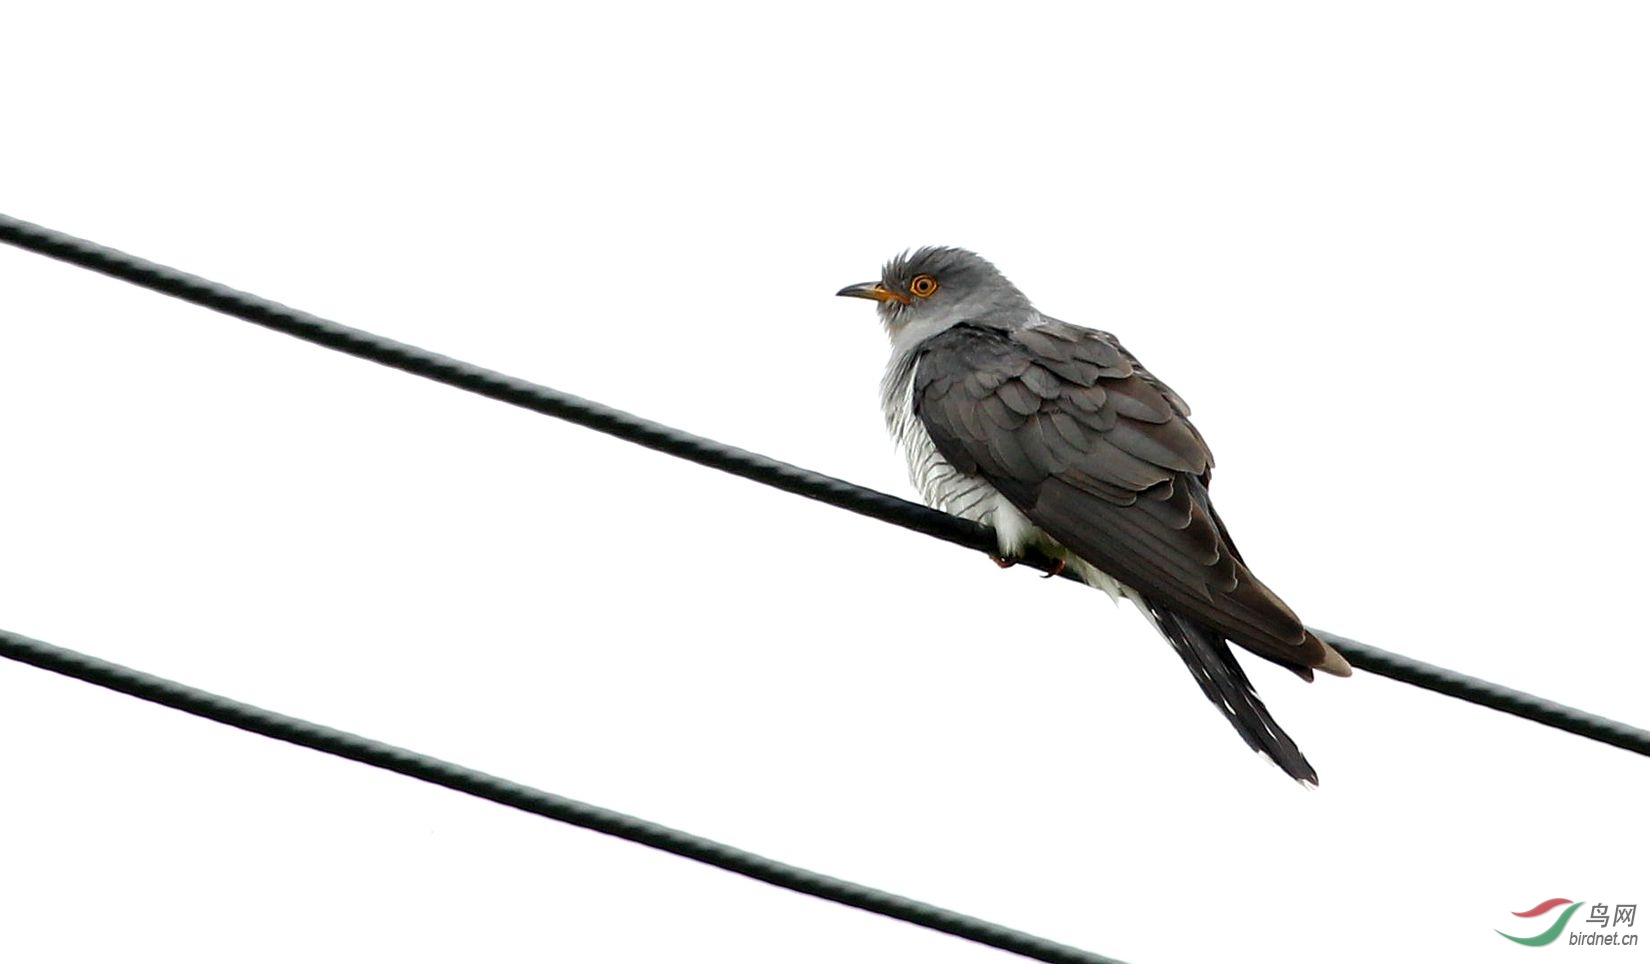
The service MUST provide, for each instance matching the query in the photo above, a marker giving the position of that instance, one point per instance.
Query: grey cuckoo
(1059, 438)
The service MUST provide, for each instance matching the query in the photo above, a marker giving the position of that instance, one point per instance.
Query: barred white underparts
(970, 497)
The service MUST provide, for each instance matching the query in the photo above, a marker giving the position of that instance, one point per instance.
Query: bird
(1057, 437)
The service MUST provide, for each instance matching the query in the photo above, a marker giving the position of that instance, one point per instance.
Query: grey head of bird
(926, 291)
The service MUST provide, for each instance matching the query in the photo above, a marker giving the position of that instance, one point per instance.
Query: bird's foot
(1054, 569)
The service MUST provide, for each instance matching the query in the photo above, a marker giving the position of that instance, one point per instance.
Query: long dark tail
(1210, 659)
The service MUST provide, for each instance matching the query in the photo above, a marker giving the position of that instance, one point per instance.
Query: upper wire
(728, 458)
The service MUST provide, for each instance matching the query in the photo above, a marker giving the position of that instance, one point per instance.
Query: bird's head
(931, 289)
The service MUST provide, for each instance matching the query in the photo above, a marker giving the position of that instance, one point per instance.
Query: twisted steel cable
(737, 461)
(277, 726)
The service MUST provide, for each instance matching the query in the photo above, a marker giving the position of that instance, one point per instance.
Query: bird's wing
(1100, 455)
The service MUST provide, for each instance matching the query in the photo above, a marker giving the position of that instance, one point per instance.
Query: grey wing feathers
(1099, 454)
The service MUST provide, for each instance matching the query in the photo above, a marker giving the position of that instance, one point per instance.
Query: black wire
(276, 726)
(758, 468)
(1493, 695)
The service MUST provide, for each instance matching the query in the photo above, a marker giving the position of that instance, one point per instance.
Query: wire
(1493, 695)
(276, 726)
(708, 452)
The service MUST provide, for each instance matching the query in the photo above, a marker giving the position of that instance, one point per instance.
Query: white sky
(1393, 256)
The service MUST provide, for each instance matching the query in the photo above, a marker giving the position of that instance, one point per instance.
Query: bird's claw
(1054, 569)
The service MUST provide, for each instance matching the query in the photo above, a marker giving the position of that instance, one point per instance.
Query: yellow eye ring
(924, 285)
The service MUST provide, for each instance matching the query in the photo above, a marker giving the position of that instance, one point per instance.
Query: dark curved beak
(870, 289)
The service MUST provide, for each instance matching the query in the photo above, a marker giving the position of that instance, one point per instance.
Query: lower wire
(277, 726)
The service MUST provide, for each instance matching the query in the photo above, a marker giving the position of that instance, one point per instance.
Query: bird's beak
(873, 290)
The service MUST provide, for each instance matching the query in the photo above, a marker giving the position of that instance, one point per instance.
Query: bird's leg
(1054, 570)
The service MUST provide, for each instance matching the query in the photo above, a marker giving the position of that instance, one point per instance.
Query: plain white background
(1393, 254)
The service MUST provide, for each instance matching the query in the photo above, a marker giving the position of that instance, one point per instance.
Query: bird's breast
(971, 497)
(941, 484)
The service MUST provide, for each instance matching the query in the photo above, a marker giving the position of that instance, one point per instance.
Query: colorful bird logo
(1550, 934)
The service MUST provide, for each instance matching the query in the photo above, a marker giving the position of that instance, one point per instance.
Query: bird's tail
(1210, 659)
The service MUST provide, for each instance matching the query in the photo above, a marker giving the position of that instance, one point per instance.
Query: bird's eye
(924, 285)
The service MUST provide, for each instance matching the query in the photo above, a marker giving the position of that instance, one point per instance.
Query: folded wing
(1100, 455)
